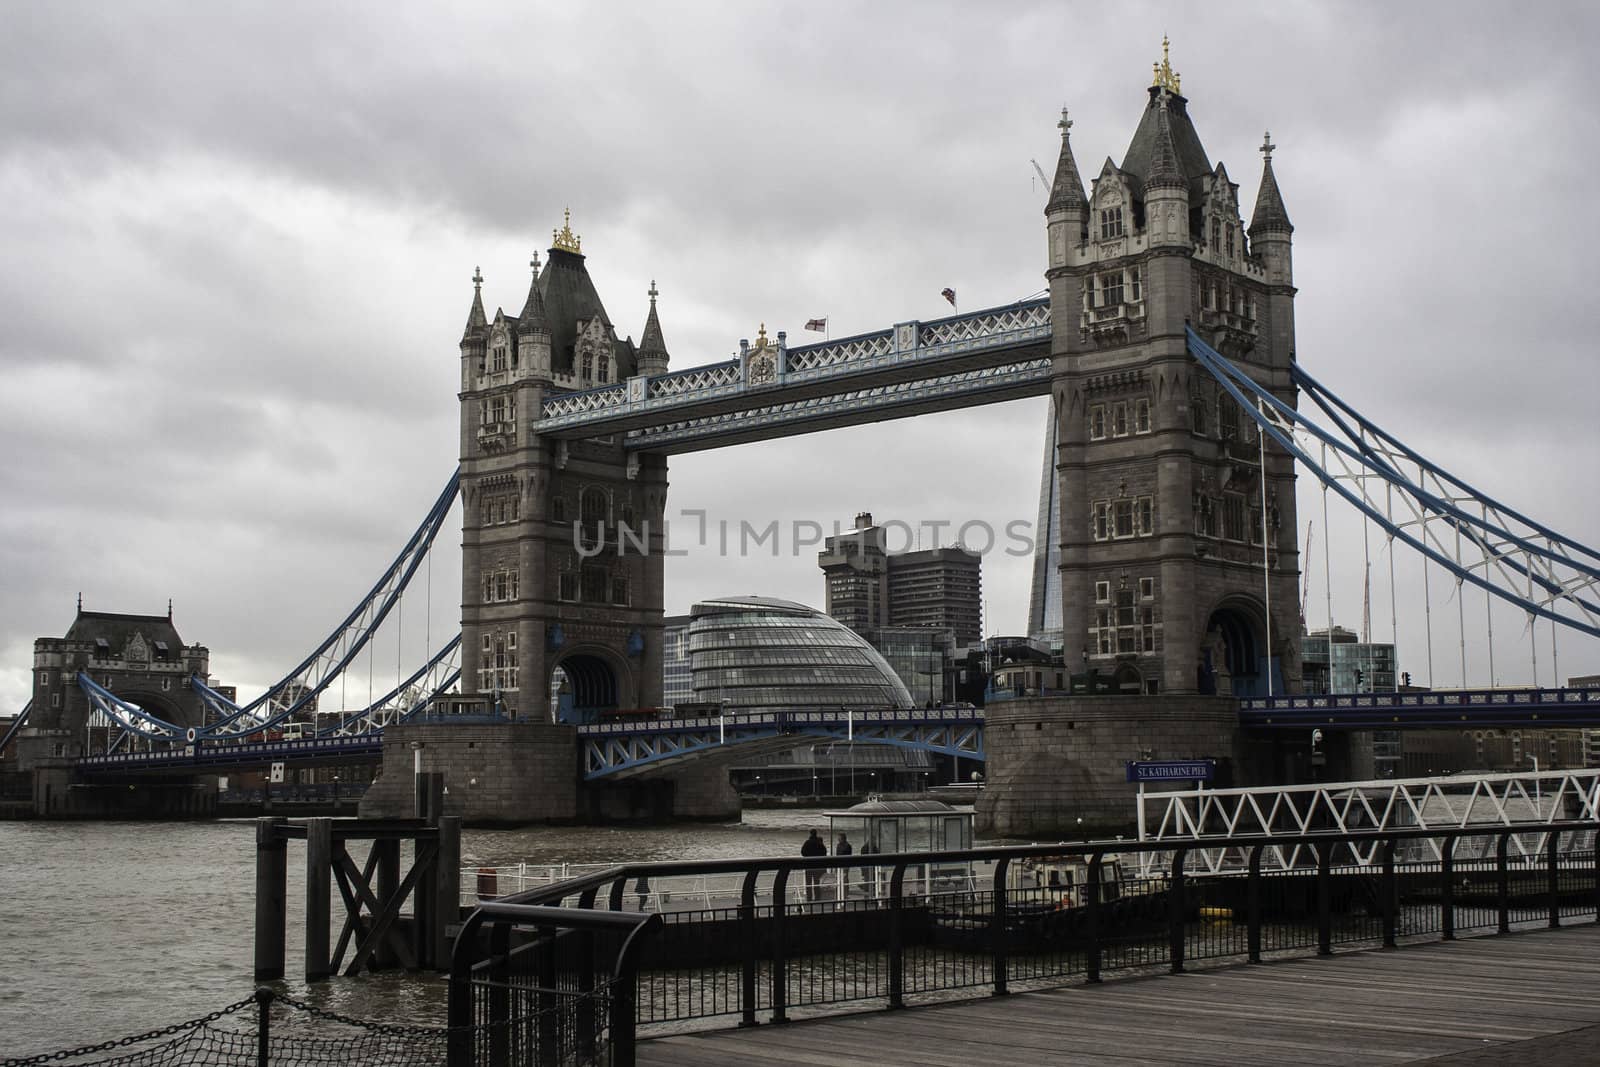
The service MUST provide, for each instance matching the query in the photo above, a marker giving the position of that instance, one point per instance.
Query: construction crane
(1040, 172)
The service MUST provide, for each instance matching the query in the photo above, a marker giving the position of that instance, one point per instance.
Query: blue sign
(1182, 770)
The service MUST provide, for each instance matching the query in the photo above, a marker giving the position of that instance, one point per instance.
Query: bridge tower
(561, 541)
(1164, 576)
(140, 658)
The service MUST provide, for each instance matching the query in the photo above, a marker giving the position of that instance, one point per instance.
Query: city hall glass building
(759, 654)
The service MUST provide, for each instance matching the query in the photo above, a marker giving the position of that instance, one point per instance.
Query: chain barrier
(200, 1043)
(135, 1039)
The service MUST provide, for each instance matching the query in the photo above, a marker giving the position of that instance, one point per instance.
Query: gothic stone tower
(1160, 483)
(140, 658)
(561, 541)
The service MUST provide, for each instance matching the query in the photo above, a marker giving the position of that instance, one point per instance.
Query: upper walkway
(986, 356)
(1518, 998)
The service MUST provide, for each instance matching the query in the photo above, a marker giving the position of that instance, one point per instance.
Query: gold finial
(1267, 146)
(653, 294)
(1165, 77)
(534, 263)
(564, 239)
(1065, 123)
(761, 337)
(477, 278)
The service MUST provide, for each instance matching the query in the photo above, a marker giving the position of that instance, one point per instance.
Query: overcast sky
(237, 243)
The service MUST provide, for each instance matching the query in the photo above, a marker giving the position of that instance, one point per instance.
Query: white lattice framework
(695, 380)
(608, 396)
(1208, 819)
(1019, 324)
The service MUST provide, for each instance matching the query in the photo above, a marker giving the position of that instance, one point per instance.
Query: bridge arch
(588, 680)
(1232, 653)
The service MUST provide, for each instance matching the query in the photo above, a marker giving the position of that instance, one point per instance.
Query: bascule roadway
(1517, 998)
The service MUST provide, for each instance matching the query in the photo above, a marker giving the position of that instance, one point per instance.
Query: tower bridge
(1166, 344)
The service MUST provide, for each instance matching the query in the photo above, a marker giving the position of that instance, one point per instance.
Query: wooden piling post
(319, 868)
(447, 895)
(388, 877)
(272, 870)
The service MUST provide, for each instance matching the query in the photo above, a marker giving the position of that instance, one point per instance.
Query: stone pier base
(506, 773)
(1056, 765)
(516, 773)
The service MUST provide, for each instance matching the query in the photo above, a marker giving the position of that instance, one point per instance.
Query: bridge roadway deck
(1514, 999)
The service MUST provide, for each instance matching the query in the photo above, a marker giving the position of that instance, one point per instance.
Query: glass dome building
(753, 653)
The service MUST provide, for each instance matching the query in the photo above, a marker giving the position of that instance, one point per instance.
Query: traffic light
(1360, 676)
(1405, 679)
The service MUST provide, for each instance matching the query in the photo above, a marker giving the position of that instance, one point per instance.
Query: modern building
(758, 653)
(937, 589)
(855, 571)
(1346, 664)
(677, 680)
(869, 589)
(919, 658)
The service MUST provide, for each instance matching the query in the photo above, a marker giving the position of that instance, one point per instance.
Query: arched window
(594, 505)
(586, 369)
(605, 368)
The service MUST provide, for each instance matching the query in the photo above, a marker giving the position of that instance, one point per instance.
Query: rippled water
(107, 929)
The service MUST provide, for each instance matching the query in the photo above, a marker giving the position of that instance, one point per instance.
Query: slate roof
(1164, 169)
(1269, 215)
(652, 341)
(477, 322)
(1148, 141)
(1066, 192)
(569, 297)
(118, 629)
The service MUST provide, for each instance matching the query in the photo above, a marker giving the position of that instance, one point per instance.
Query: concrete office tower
(867, 588)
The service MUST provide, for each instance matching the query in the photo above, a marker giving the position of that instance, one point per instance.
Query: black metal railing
(805, 935)
(537, 985)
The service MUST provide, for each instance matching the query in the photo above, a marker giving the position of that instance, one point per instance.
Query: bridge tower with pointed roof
(1163, 572)
(561, 541)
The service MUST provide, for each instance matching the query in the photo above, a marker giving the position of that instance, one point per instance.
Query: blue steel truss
(1456, 709)
(235, 754)
(127, 715)
(303, 684)
(16, 725)
(609, 748)
(1477, 539)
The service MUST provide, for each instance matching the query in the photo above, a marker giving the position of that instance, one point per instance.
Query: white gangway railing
(1212, 817)
(697, 892)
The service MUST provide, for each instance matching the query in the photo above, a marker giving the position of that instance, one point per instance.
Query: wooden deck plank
(1420, 1002)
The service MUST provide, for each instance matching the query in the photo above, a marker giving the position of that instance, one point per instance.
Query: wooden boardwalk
(1467, 1002)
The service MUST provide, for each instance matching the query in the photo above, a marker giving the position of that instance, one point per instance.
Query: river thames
(113, 928)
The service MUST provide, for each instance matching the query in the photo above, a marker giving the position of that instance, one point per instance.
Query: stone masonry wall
(1056, 764)
(495, 773)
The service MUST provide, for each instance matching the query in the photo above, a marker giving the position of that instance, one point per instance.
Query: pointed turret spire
(1269, 215)
(1165, 171)
(533, 318)
(652, 346)
(1066, 192)
(477, 321)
